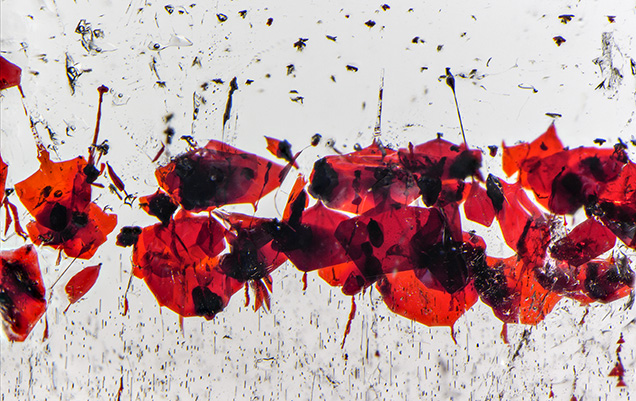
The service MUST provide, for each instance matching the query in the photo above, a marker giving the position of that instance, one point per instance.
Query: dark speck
(169, 134)
(80, 219)
(300, 44)
(494, 190)
(91, 173)
(58, 218)
(599, 141)
(221, 17)
(269, 21)
(370, 23)
(376, 236)
(128, 236)
(559, 40)
(248, 173)
(324, 180)
(352, 68)
(553, 115)
(464, 165)
(162, 207)
(206, 303)
(430, 188)
(385, 7)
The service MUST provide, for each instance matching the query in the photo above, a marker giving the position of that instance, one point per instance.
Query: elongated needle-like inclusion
(450, 81)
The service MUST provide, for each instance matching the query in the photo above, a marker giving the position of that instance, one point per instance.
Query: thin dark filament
(377, 131)
(228, 106)
(102, 89)
(58, 279)
(450, 81)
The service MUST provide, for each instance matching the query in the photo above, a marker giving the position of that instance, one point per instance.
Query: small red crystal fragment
(82, 233)
(585, 242)
(179, 263)
(406, 295)
(251, 257)
(3, 177)
(307, 236)
(478, 207)
(217, 175)
(10, 74)
(359, 181)
(81, 283)
(545, 145)
(510, 288)
(22, 292)
(58, 196)
(352, 314)
(281, 149)
(119, 184)
(379, 242)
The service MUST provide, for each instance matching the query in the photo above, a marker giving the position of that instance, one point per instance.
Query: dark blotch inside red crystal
(324, 180)
(206, 303)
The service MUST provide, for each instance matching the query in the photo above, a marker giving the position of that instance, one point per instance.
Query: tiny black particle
(559, 40)
(300, 44)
